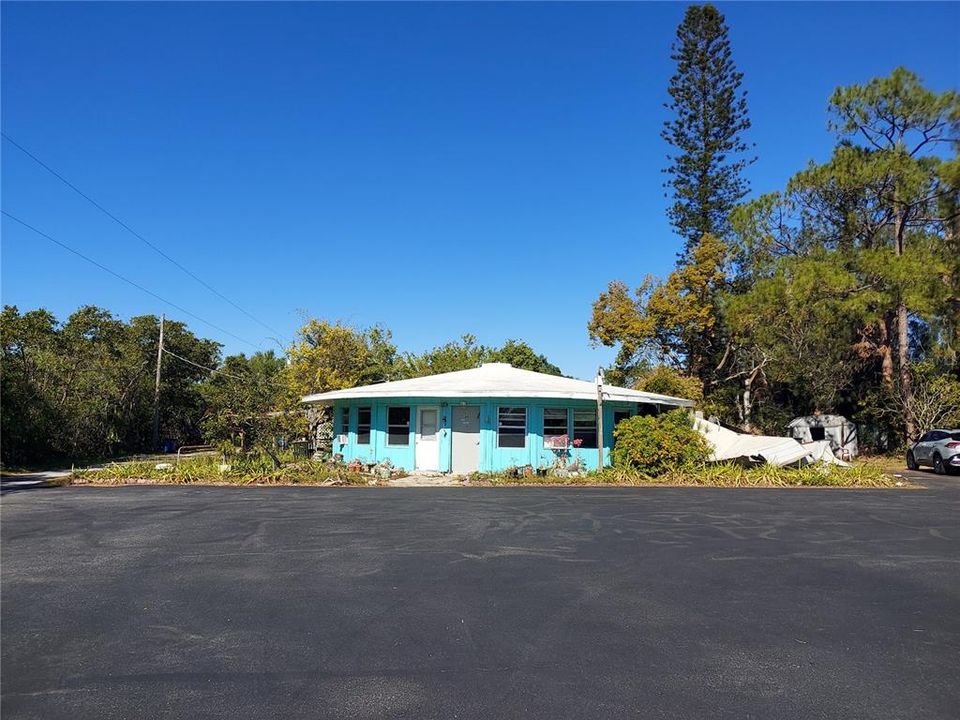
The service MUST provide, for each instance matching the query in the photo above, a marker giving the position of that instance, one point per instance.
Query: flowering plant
(561, 442)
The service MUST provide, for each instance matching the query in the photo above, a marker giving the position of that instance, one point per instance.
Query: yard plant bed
(713, 475)
(210, 471)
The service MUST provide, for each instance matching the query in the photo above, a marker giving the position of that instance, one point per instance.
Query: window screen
(344, 420)
(554, 422)
(511, 427)
(363, 426)
(585, 427)
(428, 424)
(398, 426)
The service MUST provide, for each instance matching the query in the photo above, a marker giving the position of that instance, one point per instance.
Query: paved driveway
(480, 603)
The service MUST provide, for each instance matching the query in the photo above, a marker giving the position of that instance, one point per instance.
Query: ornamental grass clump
(816, 475)
(653, 445)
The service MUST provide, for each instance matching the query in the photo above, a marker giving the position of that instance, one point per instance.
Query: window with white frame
(344, 420)
(511, 427)
(363, 425)
(398, 426)
(555, 432)
(585, 427)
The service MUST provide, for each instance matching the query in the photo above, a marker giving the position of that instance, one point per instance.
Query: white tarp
(779, 451)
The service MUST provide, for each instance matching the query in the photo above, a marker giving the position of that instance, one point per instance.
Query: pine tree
(710, 114)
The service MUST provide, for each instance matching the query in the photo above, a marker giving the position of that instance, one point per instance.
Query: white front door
(428, 443)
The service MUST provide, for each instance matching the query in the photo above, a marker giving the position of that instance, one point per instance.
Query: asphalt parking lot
(552, 603)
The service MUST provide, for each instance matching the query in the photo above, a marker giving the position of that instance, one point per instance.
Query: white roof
(494, 380)
(819, 421)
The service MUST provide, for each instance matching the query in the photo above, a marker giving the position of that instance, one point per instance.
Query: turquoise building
(486, 419)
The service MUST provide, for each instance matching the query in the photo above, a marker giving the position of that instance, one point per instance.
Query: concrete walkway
(425, 480)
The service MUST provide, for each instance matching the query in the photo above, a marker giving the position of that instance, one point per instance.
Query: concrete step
(431, 480)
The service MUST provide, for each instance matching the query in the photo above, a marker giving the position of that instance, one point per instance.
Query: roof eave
(331, 397)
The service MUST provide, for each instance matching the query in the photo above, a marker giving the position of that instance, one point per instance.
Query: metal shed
(840, 432)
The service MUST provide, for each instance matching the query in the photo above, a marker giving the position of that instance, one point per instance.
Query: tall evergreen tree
(866, 238)
(709, 116)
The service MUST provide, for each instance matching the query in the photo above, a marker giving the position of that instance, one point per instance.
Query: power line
(125, 279)
(202, 367)
(219, 370)
(133, 232)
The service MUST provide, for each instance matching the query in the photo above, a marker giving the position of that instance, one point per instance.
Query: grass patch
(207, 470)
(888, 463)
(715, 475)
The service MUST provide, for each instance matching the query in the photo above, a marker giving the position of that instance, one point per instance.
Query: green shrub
(656, 444)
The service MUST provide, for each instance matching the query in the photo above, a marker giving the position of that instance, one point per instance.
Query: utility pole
(156, 391)
(600, 419)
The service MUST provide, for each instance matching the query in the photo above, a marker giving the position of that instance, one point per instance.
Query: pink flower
(578, 442)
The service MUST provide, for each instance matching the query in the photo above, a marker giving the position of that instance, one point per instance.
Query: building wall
(492, 457)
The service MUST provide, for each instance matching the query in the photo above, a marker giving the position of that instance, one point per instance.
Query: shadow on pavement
(32, 481)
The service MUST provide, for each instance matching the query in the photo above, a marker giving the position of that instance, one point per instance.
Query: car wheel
(938, 467)
(911, 461)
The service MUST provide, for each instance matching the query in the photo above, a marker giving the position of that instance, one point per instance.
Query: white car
(940, 449)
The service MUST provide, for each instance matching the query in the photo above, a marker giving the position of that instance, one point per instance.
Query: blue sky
(437, 168)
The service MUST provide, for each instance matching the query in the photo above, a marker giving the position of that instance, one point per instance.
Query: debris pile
(728, 445)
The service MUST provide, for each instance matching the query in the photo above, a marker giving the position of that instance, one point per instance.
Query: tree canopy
(84, 388)
(466, 353)
(837, 293)
(708, 116)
